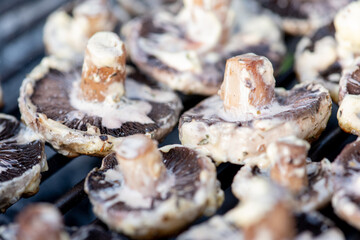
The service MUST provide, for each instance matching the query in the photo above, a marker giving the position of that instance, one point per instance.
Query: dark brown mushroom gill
(52, 97)
(179, 161)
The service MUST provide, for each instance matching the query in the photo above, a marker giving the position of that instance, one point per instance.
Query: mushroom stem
(288, 159)
(249, 84)
(218, 7)
(202, 13)
(140, 163)
(278, 222)
(40, 222)
(93, 16)
(103, 72)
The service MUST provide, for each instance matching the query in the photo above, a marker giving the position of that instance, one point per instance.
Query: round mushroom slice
(146, 193)
(299, 17)
(68, 29)
(188, 51)
(346, 172)
(250, 113)
(308, 182)
(22, 158)
(85, 112)
(349, 94)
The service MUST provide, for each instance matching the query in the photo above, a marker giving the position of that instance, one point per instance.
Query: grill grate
(21, 49)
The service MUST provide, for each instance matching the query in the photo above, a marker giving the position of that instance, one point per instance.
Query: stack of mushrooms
(86, 99)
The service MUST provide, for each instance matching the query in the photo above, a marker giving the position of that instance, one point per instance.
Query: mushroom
(67, 31)
(263, 214)
(86, 112)
(22, 158)
(309, 183)
(188, 51)
(149, 193)
(346, 178)
(349, 95)
(322, 56)
(250, 113)
(300, 17)
(311, 225)
(43, 221)
(40, 222)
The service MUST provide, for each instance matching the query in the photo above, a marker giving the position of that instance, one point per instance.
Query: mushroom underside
(52, 97)
(180, 204)
(21, 161)
(211, 75)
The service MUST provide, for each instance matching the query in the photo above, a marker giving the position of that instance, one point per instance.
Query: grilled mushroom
(250, 113)
(22, 158)
(308, 182)
(188, 51)
(349, 95)
(309, 226)
(43, 221)
(346, 197)
(300, 17)
(147, 193)
(85, 112)
(67, 31)
(265, 210)
(323, 56)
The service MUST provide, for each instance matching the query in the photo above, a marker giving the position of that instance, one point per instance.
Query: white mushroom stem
(249, 84)
(278, 223)
(93, 16)
(141, 164)
(40, 222)
(288, 160)
(104, 70)
(208, 21)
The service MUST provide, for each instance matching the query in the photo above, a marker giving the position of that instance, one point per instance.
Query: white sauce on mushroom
(113, 114)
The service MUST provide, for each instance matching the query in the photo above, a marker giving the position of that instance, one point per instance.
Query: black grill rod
(71, 198)
(55, 163)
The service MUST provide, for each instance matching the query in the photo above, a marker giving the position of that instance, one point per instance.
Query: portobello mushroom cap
(188, 51)
(148, 193)
(22, 158)
(250, 113)
(85, 112)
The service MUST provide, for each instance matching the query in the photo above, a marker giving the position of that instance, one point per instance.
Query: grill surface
(21, 49)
